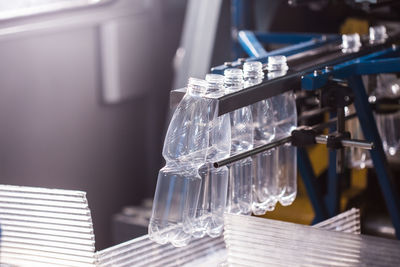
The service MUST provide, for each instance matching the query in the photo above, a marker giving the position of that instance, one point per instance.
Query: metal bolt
(317, 72)
(346, 98)
(372, 99)
(228, 64)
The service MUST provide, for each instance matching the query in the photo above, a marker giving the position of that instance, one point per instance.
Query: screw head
(317, 72)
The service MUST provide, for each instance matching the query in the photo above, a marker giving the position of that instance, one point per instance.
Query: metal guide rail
(313, 138)
(322, 57)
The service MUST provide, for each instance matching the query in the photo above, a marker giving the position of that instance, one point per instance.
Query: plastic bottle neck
(253, 70)
(351, 43)
(215, 85)
(377, 34)
(277, 66)
(253, 73)
(233, 79)
(197, 87)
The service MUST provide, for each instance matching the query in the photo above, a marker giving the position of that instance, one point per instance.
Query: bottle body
(287, 162)
(214, 181)
(357, 158)
(240, 173)
(265, 188)
(179, 183)
(388, 127)
(209, 217)
(175, 201)
(187, 135)
(240, 182)
(283, 185)
(265, 163)
(388, 86)
(286, 121)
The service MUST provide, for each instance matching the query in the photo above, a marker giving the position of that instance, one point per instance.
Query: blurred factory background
(84, 88)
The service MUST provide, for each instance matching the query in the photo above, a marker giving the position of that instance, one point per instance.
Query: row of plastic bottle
(388, 87)
(191, 195)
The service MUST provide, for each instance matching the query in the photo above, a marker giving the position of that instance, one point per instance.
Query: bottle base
(168, 233)
(287, 200)
(264, 207)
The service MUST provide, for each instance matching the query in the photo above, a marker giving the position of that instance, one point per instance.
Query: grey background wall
(57, 129)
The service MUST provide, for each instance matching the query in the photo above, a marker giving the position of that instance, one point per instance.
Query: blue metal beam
(369, 64)
(251, 45)
(285, 51)
(290, 38)
(309, 179)
(352, 71)
(239, 21)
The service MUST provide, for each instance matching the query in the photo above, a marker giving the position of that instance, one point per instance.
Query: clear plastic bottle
(178, 184)
(264, 164)
(214, 183)
(242, 135)
(357, 158)
(377, 34)
(388, 86)
(351, 43)
(285, 117)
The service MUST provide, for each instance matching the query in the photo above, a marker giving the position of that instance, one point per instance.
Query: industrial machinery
(318, 64)
(326, 73)
(333, 78)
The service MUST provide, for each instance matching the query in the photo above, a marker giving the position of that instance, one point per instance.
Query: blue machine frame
(251, 44)
(385, 61)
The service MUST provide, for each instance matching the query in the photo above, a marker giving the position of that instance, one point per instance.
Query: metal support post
(332, 198)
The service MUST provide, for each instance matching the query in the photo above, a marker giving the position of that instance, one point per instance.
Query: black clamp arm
(303, 137)
(386, 105)
(336, 95)
(334, 141)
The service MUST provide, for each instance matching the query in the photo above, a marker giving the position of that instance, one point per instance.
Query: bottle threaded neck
(233, 79)
(277, 63)
(351, 43)
(215, 83)
(253, 70)
(196, 86)
(377, 34)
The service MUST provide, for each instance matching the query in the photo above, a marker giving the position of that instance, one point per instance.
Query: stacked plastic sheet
(142, 251)
(45, 227)
(252, 241)
(346, 222)
(200, 252)
(50, 227)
